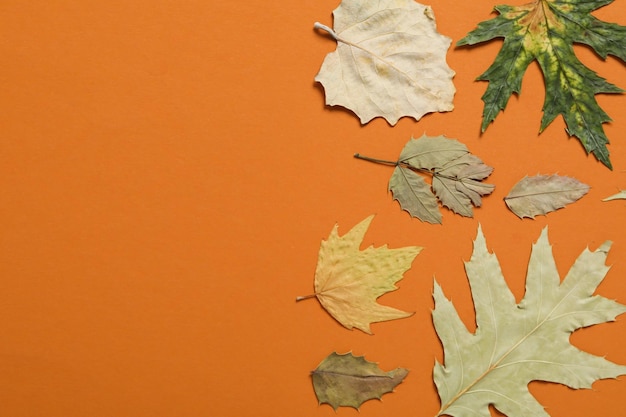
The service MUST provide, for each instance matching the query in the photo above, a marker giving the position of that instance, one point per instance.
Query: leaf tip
(605, 247)
(437, 291)
(357, 233)
(480, 238)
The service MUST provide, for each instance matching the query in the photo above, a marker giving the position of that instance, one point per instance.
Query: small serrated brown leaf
(345, 380)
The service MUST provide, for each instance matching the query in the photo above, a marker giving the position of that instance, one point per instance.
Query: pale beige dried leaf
(390, 61)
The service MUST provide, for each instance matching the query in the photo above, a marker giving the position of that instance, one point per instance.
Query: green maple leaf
(515, 344)
(545, 31)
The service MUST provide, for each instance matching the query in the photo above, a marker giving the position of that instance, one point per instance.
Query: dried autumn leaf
(457, 184)
(619, 196)
(348, 381)
(414, 195)
(545, 31)
(456, 178)
(515, 344)
(541, 194)
(349, 280)
(390, 61)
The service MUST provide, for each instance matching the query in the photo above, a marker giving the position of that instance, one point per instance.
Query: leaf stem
(377, 161)
(318, 25)
(305, 297)
(401, 164)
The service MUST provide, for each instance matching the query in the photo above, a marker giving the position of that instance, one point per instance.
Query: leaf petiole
(318, 25)
(305, 297)
(377, 161)
(398, 164)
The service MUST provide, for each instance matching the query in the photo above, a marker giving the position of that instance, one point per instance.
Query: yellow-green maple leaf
(349, 280)
(545, 31)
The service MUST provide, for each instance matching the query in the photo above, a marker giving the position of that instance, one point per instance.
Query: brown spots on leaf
(540, 18)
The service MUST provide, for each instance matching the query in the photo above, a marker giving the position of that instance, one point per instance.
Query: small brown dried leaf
(345, 380)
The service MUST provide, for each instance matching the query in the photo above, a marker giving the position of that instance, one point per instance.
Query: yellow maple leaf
(349, 280)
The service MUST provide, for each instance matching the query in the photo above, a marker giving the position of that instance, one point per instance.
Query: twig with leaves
(456, 178)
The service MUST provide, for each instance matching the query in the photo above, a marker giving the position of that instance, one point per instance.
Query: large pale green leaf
(345, 380)
(515, 344)
(545, 31)
(390, 61)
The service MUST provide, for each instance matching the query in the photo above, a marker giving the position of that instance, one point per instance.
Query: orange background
(168, 170)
